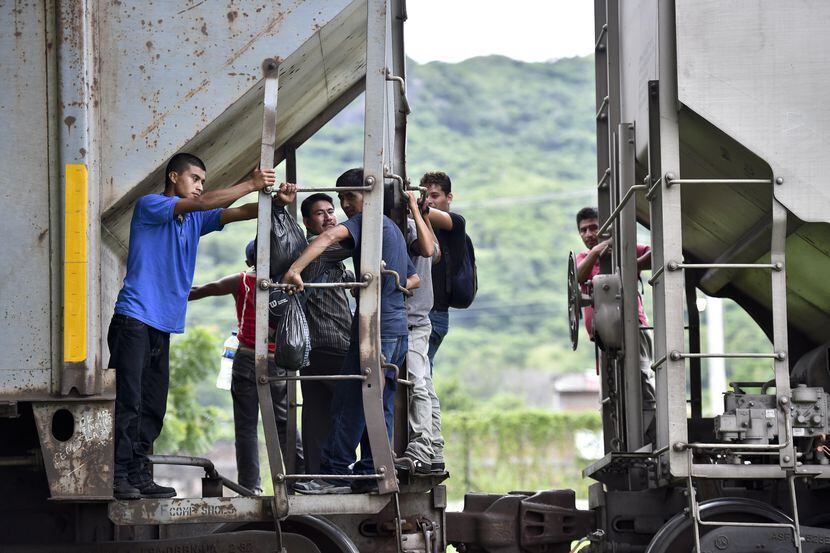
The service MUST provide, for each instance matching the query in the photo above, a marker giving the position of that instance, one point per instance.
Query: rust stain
(191, 7)
(69, 121)
(82, 151)
(232, 15)
(273, 23)
(149, 45)
(42, 235)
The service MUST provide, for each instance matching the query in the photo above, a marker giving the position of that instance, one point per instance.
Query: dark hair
(305, 207)
(250, 253)
(586, 213)
(439, 179)
(352, 177)
(179, 163)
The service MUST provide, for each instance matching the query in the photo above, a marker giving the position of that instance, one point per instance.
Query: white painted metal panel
(758, 70)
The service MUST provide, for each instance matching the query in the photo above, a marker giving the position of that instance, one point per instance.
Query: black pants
(140, 356)
(246, 416)
(317, 400)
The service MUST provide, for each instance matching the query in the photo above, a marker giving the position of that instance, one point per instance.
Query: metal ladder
(376, 173)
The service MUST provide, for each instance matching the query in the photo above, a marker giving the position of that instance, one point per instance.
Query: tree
(189, 425)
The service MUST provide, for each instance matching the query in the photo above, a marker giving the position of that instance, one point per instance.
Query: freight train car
(712, 132)
(97, 96)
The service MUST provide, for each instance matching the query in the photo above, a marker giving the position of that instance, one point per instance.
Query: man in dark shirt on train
(329, 323)
(164, 237)
(348, 424)
(448, 228)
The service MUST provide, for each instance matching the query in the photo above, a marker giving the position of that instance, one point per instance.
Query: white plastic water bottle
(223, 381)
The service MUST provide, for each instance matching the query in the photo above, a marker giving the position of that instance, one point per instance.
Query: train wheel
(303, 534)
(676, 535)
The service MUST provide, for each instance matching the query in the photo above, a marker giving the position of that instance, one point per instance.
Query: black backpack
(462, 274)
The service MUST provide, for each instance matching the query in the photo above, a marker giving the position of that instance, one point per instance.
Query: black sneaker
(151, 490)
(438, 467)
(122, 489)
(414, 466)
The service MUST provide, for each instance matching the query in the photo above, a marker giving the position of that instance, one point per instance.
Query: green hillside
(518, 141)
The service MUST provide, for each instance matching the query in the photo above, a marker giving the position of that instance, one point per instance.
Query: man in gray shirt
(426, 445)
(329, 323)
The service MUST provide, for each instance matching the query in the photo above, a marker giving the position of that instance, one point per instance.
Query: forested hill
(518, 141)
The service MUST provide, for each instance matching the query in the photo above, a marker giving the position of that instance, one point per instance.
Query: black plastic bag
(287, 242)
(292, 338)
(277, 305)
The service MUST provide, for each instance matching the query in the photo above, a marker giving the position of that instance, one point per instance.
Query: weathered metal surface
(26, 250)
(201, 510)
(238, 509)
(76, 441)
(213, 108)
(77, 98)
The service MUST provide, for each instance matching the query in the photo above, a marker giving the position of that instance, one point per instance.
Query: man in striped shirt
(329, 322)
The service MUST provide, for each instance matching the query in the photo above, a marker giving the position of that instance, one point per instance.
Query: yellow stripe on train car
(75, 264)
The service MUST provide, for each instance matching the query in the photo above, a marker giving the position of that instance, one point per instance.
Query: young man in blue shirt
(164, 237)
(348, 424)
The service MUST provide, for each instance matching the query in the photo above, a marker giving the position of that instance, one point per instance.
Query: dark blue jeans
(440, 326)
(348, 424)
(140, 355)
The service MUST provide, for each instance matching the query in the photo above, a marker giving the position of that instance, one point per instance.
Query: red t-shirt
(246, 311)
(642, 249)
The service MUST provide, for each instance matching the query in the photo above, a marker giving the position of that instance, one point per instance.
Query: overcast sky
(527, 30)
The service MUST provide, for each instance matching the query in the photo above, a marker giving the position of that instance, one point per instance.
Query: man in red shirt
(587, 266)
(242, 286)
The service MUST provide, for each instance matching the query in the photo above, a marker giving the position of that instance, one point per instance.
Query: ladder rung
(317, 377)
(674, 266)
(678, 355)
(331, 476)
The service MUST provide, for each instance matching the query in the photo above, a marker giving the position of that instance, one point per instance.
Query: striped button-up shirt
(327, 309)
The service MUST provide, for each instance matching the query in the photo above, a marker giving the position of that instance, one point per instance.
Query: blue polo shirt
(394, 253)
(161, 261)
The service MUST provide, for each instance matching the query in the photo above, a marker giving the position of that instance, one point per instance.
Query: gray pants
(646, 372)
(425, 441)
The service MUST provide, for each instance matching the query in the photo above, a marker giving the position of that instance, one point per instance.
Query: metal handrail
(614, 214)
(207, 464)
(671, 180)
(656, 275)
(404, 184)
(602, 33)
(604, 180)
(402, 82)
(384, 271)
(602, 106)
